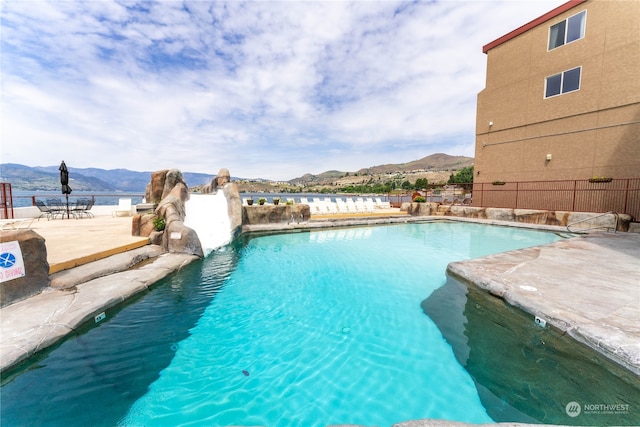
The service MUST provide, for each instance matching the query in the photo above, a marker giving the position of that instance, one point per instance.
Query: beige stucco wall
(594, 131)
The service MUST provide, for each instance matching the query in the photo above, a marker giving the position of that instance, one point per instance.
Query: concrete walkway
(73, 242)
(588, 287)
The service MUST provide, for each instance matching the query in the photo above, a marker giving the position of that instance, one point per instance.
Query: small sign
(100, 317)
(11, 262)
(175, 235)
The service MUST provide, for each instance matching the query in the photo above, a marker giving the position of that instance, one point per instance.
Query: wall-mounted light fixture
(548, 157)
(490, 124)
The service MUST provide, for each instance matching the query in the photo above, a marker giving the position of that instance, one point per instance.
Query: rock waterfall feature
(191, 223)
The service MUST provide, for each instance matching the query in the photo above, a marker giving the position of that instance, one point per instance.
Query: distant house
(562, 97)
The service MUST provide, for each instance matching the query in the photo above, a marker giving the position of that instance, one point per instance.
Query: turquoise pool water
(301, 329)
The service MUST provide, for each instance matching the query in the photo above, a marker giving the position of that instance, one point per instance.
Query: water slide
(207, 214)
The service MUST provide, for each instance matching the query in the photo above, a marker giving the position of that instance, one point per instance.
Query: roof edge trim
(526, 27)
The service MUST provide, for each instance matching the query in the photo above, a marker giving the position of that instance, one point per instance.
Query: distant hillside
(434, 162)
(436, 168)
(47, 178)
(438, 162)
(34, 179)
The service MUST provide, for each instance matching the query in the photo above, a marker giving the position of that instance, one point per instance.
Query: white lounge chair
(360, 205)
(351, 205)
(341, 205)
(16, 224)
(382, 205)
(369, 204)
(124, 208)
(332, 207)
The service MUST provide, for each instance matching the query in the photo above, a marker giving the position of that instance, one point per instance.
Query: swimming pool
(291, 329)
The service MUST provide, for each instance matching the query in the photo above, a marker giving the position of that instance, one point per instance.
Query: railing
(6, 201)
(440, 195)
(107, 199)
(615, 228)
(618, 195)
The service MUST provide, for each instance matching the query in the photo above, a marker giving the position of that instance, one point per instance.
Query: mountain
(438, 162)
(435, 167)
(434, 162)
(34, 179)
(47, 178)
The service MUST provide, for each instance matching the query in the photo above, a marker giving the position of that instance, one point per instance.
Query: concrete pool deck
(588, 285)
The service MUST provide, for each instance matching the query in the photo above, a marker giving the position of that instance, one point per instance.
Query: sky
(265, 89)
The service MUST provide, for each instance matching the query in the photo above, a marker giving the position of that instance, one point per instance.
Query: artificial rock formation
(218, 181)
(270, 214)
(36, 267)
(529, 216)
(155, 188)
(170, 191)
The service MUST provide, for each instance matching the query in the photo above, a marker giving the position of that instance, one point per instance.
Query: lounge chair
(332, 207)
(82, 208)
(44, 210)
(382, 205)
(351, 205)
(124, 208)
(16, 224)
(341, 205)
(369, 204)
(360, 205)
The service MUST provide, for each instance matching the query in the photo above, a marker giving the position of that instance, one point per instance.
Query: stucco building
(562, 97)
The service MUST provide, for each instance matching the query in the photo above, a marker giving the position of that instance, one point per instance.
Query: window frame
(566, 31)
(562, 77)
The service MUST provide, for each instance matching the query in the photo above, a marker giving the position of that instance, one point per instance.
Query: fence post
(573, 202)
(626, 195)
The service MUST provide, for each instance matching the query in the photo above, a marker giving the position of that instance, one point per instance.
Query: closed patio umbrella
(64, 181)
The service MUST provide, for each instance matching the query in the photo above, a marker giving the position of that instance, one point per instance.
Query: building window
(566, 31)
(564, 82)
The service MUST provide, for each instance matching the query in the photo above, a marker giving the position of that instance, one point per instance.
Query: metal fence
(6, 201)
(618, 195)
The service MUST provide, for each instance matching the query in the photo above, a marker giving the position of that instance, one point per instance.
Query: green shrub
(158, 223)
(419, 199)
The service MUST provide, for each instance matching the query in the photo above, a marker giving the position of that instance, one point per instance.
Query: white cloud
(269, 89)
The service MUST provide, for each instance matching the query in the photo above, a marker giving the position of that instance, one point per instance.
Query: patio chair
(87, 209)
(44, 210)
(82, 208)
(56, 207)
